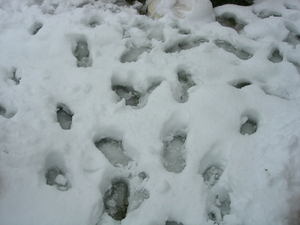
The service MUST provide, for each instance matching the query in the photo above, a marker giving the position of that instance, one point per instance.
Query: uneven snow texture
(111, 117)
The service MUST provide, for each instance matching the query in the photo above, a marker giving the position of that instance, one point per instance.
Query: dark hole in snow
(131, 96)
(228, 21)
(174, 154)
(173, 223)
(94, 24)
(143, 175)
(211, 175)
(242, 84)
(64, 116)
(113, 150)
(293, 39)
(275, 57)
(116, 199)
(36, 27)
(5, 114)
(216, 3)
(14, 78)
(82, 54)
(219, 209)
(186, 82)
(2, 111)
(133, 54)
(224, 206)
(185, 45)
(249, 127)
(57, 177)
(229, 48)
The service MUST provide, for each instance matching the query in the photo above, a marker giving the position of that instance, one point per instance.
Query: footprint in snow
(132, 54)
(173, 223)
(133, 97)
(5, 114)
(64, 116)
(113, 150)
(275, 56)
(55, 172)
(82, 54)
(174, 153)
(186, 82)
(185, 45)
(248, 127)
(230, 48)
(116, 199)
(229, 20)
(35, 28)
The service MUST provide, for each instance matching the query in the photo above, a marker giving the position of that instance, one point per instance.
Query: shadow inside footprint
(113, 151)
(133, 54)
(211, 175)
(82, 54)
(241, 84)
(5, 114)
(173, 223)
(57, 177)
(35, 28)
(186, 82)
(116, 199)
(131, 96)
(230, 21)
(2, 111)
(275, 56)
(293, 39)
(185, 45)
(249, 127)
(64, 116)
(219, 209)
(55, 172)
(14, 77)
(229, 48)
(174, 154)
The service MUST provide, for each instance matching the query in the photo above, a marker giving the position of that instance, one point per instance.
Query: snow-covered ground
(187, 116)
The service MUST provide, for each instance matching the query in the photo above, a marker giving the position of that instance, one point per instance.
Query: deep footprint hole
(186, 81)
(230, 21)
(35, 28)
(64, 116)
(275, 56)
(116, 199)
(55, 172)
(82, 54)
(57, 177)
(249, 127)
(113, 150)
(241, 84)
(5, 113)
(211, 175)
(131, 96)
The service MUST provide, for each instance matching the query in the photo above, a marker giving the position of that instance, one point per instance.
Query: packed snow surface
(190, 116)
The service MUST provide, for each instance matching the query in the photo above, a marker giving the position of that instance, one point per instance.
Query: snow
(189, 115)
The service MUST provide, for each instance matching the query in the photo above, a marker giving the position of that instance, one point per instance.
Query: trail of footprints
(117, 198)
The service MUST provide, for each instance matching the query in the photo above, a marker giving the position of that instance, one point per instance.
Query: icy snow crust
(111, 117)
